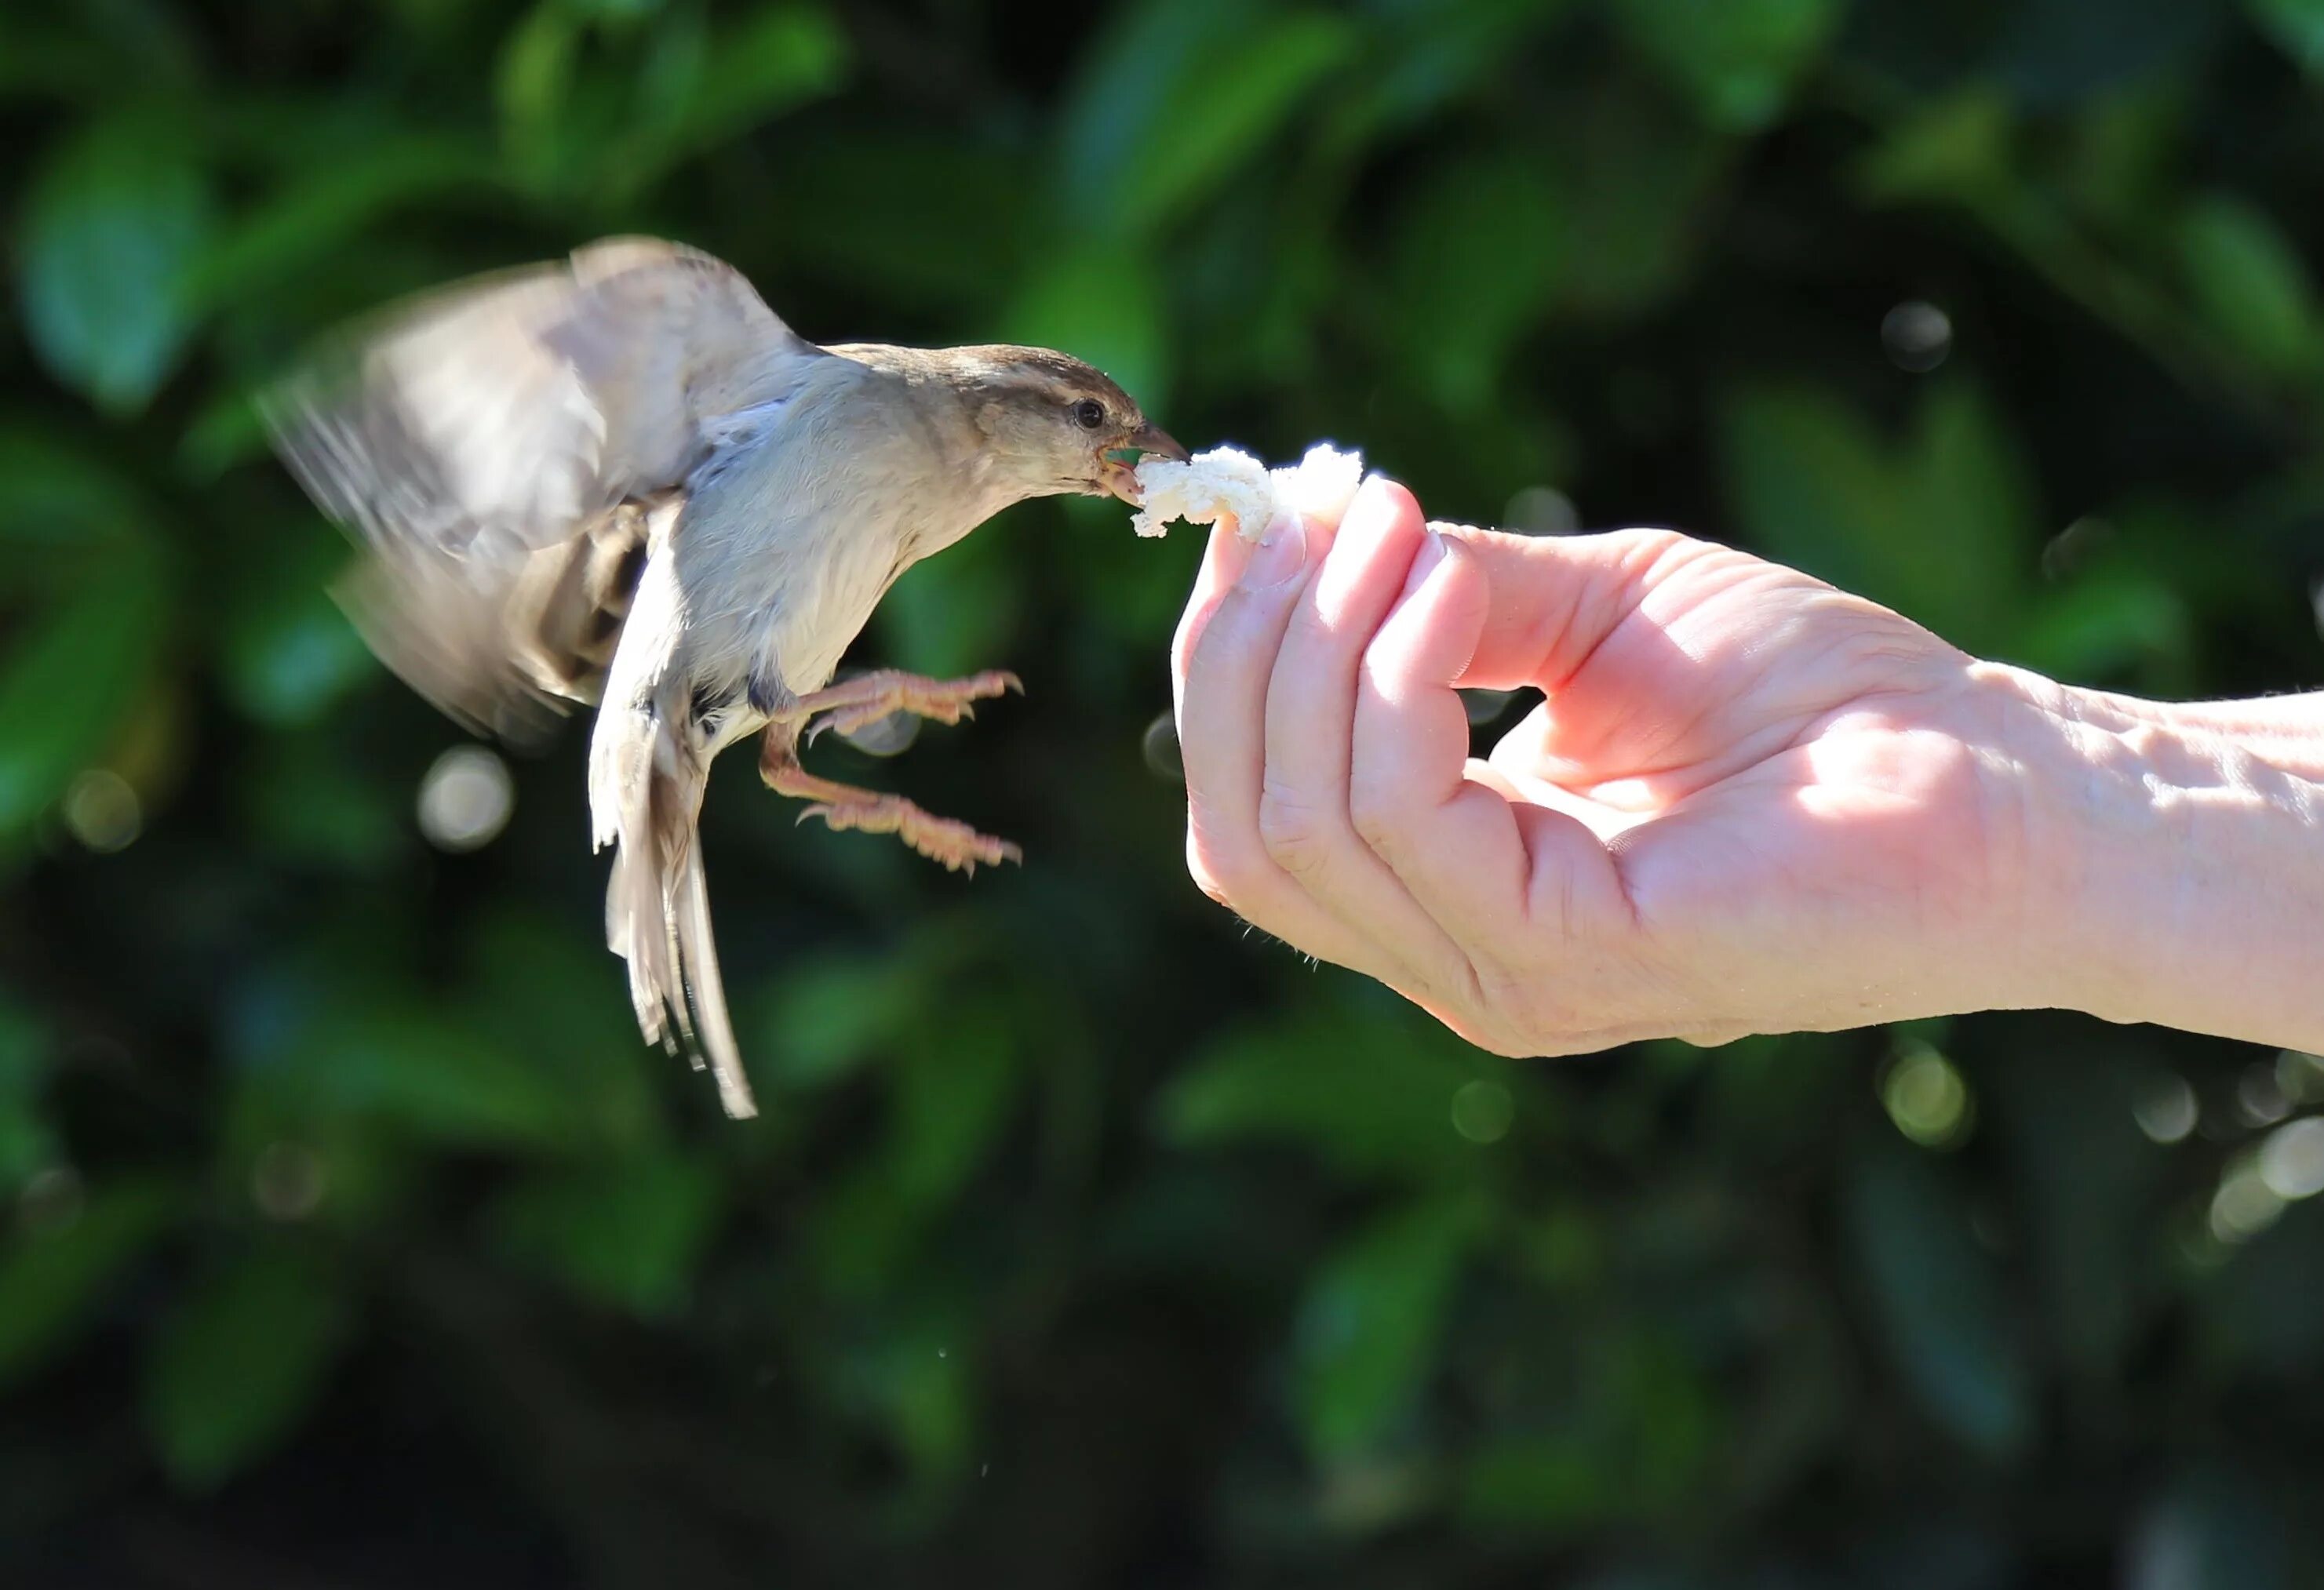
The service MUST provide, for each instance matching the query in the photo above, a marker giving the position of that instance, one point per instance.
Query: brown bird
(623, 481)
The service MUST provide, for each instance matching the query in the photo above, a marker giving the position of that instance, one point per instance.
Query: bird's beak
(1154, 439)
(1121, 479)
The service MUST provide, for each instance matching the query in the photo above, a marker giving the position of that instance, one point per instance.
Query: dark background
(357, 1241)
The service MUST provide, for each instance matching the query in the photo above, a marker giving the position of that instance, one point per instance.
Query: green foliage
(49, 1279)
(113, 227)
(629, 1233)
(1086, 1239)
(1738, 59)
(1371, 1323)
(1939, 1301)
(238, 1364)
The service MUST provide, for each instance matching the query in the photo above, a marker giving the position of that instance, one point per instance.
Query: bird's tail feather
(658, 903)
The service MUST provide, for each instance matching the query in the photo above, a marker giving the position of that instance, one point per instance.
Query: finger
(1223, 731)
(1490, 871)
(1553, 600)
(1224, 557)
(1304, 818)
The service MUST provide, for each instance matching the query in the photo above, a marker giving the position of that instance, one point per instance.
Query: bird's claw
(951, 843)
(941, 701)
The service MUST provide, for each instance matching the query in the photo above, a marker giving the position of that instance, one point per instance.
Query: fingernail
(1370, 512)
(1279, 556)
(1431, 553)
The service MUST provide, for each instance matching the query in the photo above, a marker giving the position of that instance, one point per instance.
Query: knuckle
(1291, 830)
(1228, 865)
(1374, 815)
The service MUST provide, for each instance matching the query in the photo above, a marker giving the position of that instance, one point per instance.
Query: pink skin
(1751, 803)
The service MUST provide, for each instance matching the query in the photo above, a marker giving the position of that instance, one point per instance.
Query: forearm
(2286, 730)
(2176, 858)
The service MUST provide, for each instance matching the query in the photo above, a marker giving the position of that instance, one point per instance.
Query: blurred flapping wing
(497, 441)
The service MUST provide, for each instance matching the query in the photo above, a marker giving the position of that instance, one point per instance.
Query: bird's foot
(870, 697)
(954, 844)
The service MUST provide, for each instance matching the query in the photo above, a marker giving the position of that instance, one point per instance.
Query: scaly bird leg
(955, 844)
(870, 697)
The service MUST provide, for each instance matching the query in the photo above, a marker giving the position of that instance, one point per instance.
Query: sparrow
(621, 481)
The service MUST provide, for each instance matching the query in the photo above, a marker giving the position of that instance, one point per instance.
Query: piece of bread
(1228, 484)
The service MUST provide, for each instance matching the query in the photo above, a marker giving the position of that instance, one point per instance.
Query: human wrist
(2171, 872)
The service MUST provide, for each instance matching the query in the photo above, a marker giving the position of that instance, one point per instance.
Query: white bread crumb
(1226, 483)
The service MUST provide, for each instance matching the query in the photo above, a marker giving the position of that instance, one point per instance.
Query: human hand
(1749, 803)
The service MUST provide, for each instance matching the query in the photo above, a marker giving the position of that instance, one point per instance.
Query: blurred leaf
(115, 222)
(1633, 182)
(26, 1142)
(71, 682)
(1429, 52)
(952, 1095)
(2105, 624)
(1370, 1320)
(1630, 1443)
(61, 501)
(779, 56)
(1104, 301)
(1478, 258)
(2297, 27)
(2215, 1528)
(2091, 1191)
(1955, 149)
(540, 987)
(2251, 284)
(321, 212)
(534, 82)
(2052, 52)
(1737, 59)
(956, 613)
(630, 1233)
(49, 1280)
(239, 1364)
(1366, 1096)
(431, 1075)
(916, 1383)
(833, 1011)
(1177, 94)
(1941, 531)
(302, 800)
(1937, 1298)
(290, 655)
(862, 208)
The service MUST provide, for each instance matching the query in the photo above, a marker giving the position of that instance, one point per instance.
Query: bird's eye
(1090, 413)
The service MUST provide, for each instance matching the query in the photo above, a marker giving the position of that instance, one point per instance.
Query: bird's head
(1054, 425)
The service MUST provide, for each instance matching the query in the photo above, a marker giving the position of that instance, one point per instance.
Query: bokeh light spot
(102, 812)
(2259, 1101)
(2244, 1205)
(2300, 1077)
(2292, 1160)
(1917, 335)
(1925, 1095)
(466, 798)
(890, 736)
(1160, 748)
(1482, 1111)
(2166, 1110)
(286, 1181)
(1541, 511)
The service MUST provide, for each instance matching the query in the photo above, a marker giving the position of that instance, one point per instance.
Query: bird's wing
(468, 438)
(491, 419)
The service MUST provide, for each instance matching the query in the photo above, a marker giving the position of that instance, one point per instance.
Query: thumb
(1552, 601)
